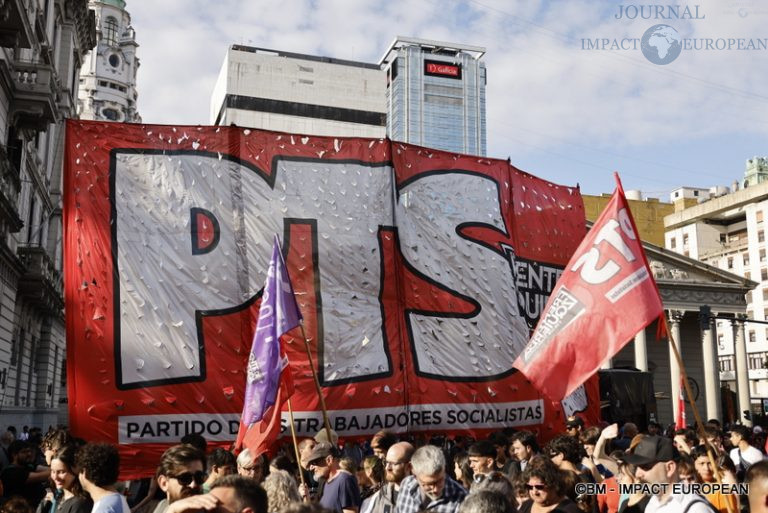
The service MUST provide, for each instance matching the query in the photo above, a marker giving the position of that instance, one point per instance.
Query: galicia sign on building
(442, 69)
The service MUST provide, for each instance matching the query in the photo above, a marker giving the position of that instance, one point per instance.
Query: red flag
(680, 422)
(605, 295)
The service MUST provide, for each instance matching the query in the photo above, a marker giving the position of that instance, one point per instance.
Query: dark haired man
(482, 459)
(238, 494)
(22, 477)
(743, 454)
(99, 466)
(181, 475)
(221, 463)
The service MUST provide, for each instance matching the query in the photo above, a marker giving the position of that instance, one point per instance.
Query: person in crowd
(462, 471)
(574, 425)
(686, 469)
(180, 474)
(498, 482)
(314, 489)
(281, 489)
(600, 452)
(429, 488)
(16, 504)
(236, 494)
(482, 459)
(250, 466)
(628, 432)
(284, 463)
(6, 439)
(654, 428)
(398, 466)
(98, 466)
(546, 488)
(53, 441)
(714, 438)
(588, 439)
(524, 446)
(373, 469)
(500, 442)
(381, 442)
(340, 492)
(22, 477)
(24, 435)
(706, 474)
(567, 453)
(654, 459)
(221, 462)
(757, 479)
(725, 463)
(196, 440)
(634, 502)
(743, 454)
(486, 501)
(685, 440)
(67, 495)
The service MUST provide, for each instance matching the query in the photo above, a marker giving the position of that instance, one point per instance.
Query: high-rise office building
(436, 94)
(297, 93)
(108, 76)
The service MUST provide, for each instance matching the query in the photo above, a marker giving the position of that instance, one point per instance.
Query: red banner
(419, 274)
(605, 297)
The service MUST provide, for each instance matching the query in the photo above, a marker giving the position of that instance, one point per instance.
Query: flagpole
(326, 422)
(697, 418)
(296, 446)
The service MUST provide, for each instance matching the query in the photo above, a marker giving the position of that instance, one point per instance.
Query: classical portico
(695, 295)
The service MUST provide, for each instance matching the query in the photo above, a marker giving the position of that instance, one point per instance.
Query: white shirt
(751, 456)
(677, 503)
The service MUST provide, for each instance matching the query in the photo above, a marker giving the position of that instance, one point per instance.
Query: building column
(675, 316)
(710, 368)
(641, 351)
(741, 368)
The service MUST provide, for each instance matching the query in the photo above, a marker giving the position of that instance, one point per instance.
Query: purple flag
(278, 314)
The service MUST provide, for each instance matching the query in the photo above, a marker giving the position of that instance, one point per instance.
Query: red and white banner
(419, 274)
(605, 296)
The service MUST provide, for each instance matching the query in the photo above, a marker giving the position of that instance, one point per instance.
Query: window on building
(695, 193)
(110, 114)
(748, 275)
(762, 255)
(685, 239)
(759, 216)
(745, 259)
(764, 274)
(110, 31)
(752, 336)
(672, 243)
(114, 60)
(761, 236)
(730, 263)
(723, 238)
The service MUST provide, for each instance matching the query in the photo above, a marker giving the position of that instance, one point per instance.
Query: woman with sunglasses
(546, 489)
(68, 495)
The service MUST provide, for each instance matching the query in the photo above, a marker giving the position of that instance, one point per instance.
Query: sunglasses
(186, 478)
(539, 487)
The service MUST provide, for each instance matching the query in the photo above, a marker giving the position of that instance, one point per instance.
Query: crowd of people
(597, 469)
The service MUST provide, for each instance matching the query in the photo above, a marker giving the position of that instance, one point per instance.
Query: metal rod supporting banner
(317, 385)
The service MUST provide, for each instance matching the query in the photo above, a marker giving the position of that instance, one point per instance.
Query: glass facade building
(436, 95)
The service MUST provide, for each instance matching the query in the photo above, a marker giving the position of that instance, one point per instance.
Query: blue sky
(560, 112)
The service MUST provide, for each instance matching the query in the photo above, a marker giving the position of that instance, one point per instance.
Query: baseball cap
(574, 421)
(320, 451)
(651, 449)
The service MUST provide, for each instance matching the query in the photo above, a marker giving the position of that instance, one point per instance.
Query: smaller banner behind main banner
(419, 274)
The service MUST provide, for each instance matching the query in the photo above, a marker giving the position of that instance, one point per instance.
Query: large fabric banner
(420, 275)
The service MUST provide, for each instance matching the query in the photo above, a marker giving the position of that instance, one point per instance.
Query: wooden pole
(697, 418)
(296, 446)
(326, 422)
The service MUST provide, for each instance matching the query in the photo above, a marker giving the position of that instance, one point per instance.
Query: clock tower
(108, 77)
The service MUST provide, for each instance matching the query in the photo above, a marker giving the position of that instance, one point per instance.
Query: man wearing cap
(654, 458)
(398, 466)
(340, 493)
(574, 425)
(482, 459)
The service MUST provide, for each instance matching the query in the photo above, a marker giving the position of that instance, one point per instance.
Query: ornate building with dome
(108, 76)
